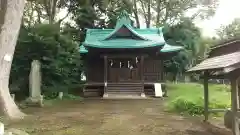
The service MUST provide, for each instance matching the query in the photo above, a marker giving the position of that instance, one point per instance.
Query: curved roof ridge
(129, 28)
(124, 20)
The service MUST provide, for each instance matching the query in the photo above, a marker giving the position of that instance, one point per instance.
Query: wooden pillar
(105, 74)
(238, 94)
(142, 74)
(206, 96)
(234, 105)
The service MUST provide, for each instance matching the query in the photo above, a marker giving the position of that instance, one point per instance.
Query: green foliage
(188, 98)
(49, 95)
(53, 95)
(71, 97)
(188, 35)
(185, 34)
(230, 31)
(182, 105)
(94, 14)
(58, 54)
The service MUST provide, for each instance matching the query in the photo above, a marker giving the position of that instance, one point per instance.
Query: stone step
(123, 96)
(125, 87)
(124, 92)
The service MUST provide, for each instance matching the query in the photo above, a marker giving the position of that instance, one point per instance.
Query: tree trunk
(144, 12)
(50, 8)
(149, 14)
(135, 11)
(39, 13)
(158, 12)
(10, 19)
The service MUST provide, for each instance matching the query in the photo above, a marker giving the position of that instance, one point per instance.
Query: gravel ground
(111, 117)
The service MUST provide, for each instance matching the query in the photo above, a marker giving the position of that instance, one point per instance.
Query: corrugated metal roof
(225, 43)
(218, 62)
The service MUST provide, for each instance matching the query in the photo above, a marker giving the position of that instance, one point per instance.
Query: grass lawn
(188, 97)
(119, 117)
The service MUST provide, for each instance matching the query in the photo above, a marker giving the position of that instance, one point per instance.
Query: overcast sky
(225, 14)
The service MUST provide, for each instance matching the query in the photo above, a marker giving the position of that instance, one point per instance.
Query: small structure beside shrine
(223, 62)
(124, 60)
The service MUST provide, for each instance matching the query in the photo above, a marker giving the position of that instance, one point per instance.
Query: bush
(193, 107)
(58, 54)
(182, 105)
(50, 94)
(66, 96)
(71, 97)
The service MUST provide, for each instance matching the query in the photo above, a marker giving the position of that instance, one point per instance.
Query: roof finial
(124, 13)
(123, 18)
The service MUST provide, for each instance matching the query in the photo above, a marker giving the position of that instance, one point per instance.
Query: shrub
(71, 97)
(193, 107)
(182, 105)
(58, 54)
(53, 94)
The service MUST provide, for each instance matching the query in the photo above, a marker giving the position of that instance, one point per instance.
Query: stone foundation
(35, 101)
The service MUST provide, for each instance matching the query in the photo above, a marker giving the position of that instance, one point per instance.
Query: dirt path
(108, 117)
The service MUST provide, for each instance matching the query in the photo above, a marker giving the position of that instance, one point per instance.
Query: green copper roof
(170, 48)
(125, 43)
(129, 27)
(136, 38)
(124, 21)
(104, 38)
(100, 38)
(123, 18)
(167, 48)
(82, 49)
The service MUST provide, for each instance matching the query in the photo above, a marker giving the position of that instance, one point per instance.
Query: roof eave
(225, 44)
(225, 69)
(201, 70)
(83, 50)
(124, 47)
(172, 50)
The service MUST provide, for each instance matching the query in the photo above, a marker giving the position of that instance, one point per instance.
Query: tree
(37, 11)
(58, 54)
(160, 12)
(230, 31)
(196, 47)
(10, 19)
(185, 34)
(135, 11)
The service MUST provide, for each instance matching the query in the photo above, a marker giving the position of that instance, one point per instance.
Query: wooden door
(123, 72)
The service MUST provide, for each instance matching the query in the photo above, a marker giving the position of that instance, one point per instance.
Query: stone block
(228, 119)
(35, 101)
(143, 95)
(1, 128)
(13, 131)
(60, 95)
